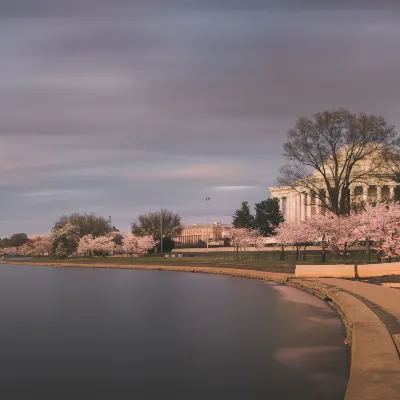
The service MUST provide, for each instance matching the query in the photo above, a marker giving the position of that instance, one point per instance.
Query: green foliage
(118, 239)
(243, 218)
(227, 242)
(15, 240)
(168, 244)
(87, 224)
(70, 228)
(268, 216)
(150, 224)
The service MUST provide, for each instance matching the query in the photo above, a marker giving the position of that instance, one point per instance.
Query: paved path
(386, 298)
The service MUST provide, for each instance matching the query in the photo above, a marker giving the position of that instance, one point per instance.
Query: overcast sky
(120, 107)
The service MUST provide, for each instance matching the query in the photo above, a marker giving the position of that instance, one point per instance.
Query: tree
(87, 224)
(297, 235)
(64, 240)
(268, 216)
(382, 225)
(326, 152)
(168, 244)
(100, 245)
(242, 218)
(243, 238)
(137, 244)
(17, 240)
(151, 223)
(36, 246)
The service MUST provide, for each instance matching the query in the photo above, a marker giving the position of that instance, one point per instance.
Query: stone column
(309, 207)
(298, 202)
(281, 204)
(365, 194)
(379, 193)
(391, 188)
(303, 206)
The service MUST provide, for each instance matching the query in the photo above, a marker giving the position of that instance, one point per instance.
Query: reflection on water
(119, 334)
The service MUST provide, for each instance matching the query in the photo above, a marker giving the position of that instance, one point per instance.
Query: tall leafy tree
(151, 224)
(70, 228)
(243, 218)
(268, 216)
(325, 153)
(87, 224)
(18, 239)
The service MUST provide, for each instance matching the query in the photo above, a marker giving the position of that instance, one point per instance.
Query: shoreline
(374, 357)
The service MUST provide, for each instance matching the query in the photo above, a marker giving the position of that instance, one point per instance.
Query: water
(125, 334)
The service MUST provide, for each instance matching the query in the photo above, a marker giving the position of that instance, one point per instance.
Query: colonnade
(297, 206)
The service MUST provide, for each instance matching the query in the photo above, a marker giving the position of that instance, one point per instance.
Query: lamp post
(161, 232)
(207, 200)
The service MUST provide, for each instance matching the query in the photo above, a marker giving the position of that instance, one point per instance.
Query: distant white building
(192, 234)
(296, 204)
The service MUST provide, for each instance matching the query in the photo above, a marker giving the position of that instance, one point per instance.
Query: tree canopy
(87, 224)
(150, 224)
(325, 154)
(242, 217)
(268, 216)
(15, 240)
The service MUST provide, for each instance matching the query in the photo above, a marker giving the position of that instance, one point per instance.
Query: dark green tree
(18, 239)
(243, 218)
(168, 244)
(268, 216)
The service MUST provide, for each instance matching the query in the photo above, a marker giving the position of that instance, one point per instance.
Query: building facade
(192, 234)
(297, 204)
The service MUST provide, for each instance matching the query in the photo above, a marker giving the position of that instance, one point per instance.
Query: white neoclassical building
(297, 204)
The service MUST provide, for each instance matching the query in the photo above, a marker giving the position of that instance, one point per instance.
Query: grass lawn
(259, 265)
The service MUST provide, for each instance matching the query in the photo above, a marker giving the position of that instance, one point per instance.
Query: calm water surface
(125, 334)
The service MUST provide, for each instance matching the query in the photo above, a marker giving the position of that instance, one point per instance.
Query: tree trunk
(323, 258)
(282, 255)
(368, 249)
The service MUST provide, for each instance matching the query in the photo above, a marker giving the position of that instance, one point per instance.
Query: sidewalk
(386, 298)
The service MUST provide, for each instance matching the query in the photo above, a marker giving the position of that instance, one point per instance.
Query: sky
(122, 107)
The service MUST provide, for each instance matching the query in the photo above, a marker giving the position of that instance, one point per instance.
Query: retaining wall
(325, 271)
(371, 270)
(347, 270)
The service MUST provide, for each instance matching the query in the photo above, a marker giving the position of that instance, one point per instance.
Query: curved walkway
(386, 298)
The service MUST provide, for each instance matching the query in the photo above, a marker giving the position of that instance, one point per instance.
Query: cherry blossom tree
(64, 240)
(345, 233)
(145, 244)
(137, 244)
(85, 245)
(36, 246)
(297, 235)
(104, 245)
(244, 238)
(381, 222)
(9, 251)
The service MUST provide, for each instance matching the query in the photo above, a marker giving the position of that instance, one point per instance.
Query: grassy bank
(258, 265)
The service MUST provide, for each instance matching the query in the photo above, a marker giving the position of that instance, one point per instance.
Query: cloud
(121, 107)
(208, 172)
